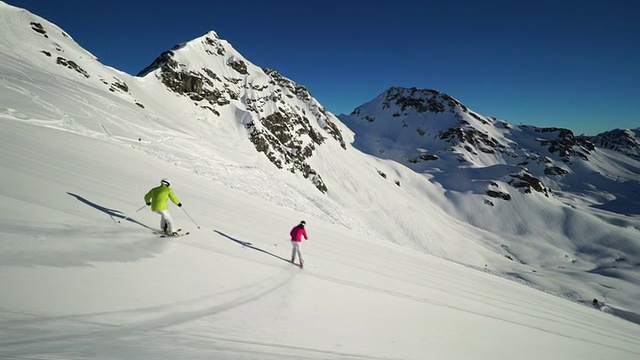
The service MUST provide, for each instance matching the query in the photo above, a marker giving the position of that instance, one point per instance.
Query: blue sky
(572, 64)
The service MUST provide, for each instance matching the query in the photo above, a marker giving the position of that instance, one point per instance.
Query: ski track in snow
(156, 322)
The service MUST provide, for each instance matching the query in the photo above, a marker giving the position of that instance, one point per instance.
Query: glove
(148, 204)
(179, 204)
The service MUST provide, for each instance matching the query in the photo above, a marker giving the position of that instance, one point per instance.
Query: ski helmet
(303, 223)
(165, 181)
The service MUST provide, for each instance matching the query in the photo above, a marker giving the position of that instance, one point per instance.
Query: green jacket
(159, 198)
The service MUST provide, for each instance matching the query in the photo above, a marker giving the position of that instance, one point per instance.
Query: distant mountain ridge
(425, 129)
(626, 141)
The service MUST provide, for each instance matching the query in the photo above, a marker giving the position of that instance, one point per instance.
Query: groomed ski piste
(77, 284)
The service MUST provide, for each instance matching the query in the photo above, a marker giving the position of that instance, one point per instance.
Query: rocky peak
(419, 100)
(432, 122)
(565, 144)
(425, 129)
(285, 122)
(405, 101)
(300, 91)
(625, 141)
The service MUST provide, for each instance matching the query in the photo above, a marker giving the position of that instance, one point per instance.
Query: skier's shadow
(249, 245)
(111, 212)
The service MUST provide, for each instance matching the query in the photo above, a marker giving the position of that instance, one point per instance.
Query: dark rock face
(121, 85)
(555, 170)
(420, 100)
(422, 157)
(71, 65)
(427, 101)
(281, 145)
(566, 143)
(498, 194)
(239, 66)
(528, 182)
(473, 137)
(37, 27)
(197, 86)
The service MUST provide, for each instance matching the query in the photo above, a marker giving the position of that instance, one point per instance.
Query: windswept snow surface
(389, 273)
(76, 284)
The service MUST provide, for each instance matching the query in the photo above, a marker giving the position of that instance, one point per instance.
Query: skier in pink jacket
(296, 238)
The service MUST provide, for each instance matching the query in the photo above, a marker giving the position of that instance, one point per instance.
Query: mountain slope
(545, 189)
(211, 119)
(77, 285)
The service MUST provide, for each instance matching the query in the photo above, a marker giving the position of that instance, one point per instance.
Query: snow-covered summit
(626, 141)
(414, 125)
(422, 125)
(282, 119)
(427, 130)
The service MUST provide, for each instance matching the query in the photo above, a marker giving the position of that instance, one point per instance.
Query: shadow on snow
(111, 212)
(249, 245)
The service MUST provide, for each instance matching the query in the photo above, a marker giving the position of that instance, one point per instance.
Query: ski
(162, 232)
(164, 235)
(179, 234)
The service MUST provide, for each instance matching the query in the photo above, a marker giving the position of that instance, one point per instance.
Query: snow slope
(76, 284)
(79, 153)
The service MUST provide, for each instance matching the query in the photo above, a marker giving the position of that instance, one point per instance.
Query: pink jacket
(297, 233)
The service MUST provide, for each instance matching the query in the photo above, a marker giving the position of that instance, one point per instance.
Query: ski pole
(128, 216)
(185, 211)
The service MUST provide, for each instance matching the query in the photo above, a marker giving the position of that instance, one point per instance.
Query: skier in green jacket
(158, 199)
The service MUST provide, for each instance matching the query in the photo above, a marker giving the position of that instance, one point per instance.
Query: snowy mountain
(625, 141)
(283, 121)
(430, 224)
(498, 163)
